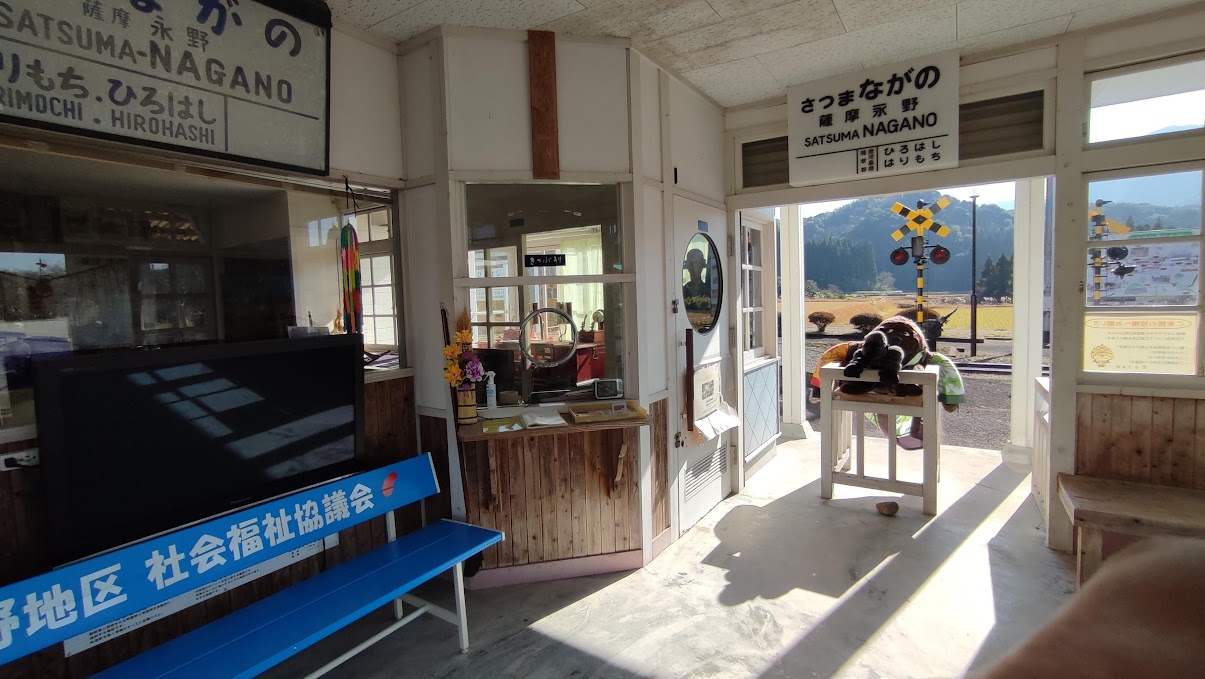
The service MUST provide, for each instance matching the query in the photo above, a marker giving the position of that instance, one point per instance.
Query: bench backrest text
(59, 605)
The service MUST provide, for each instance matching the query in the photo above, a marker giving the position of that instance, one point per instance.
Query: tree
(884, 282)
(1158, 224)
(866, 322)
(997, 279)
(986, 274)
(822, 319)
(810, 289)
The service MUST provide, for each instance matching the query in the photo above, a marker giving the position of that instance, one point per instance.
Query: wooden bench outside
(115, 587)
(1104, 506)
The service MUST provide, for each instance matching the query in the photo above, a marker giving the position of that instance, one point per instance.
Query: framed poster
(246, 81)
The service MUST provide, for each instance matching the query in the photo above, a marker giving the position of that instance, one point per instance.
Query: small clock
(606, 389)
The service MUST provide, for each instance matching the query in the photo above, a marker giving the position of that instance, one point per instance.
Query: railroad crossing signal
(1101, 224)
(921, 219)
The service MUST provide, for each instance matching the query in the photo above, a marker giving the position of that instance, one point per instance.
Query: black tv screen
(136, 443)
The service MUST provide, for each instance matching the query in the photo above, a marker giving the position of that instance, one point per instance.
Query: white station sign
(882, 121)
(222, 78)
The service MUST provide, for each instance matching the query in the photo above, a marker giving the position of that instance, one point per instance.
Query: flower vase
(466, 404)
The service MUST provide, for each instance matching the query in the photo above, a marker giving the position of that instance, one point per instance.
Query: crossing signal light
(1122, 270)
(899, 256)
(1118, 252)
(940, 255)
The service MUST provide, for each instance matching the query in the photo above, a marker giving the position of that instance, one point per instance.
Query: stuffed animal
(876, 354)
(905, 335)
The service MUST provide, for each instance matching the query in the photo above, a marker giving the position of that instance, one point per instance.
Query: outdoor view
(852, 285)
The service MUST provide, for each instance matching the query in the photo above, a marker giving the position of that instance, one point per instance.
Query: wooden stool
(839, 414)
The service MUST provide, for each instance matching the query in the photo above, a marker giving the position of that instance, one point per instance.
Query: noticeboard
(221, 78)
(1162, 345)
(882, 121)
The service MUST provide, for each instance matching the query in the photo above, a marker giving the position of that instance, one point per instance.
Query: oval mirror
(548, 338)
(702, 283)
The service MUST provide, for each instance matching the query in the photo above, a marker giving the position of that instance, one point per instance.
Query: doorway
(703, 462)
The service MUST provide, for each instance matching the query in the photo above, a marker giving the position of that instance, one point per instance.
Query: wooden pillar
(545, 137)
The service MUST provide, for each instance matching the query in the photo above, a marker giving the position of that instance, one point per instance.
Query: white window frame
(1091, 377)
(1092, 77)
(769, 288)
(389, 247)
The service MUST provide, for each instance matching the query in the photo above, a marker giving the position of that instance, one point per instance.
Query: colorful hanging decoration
(349, 276)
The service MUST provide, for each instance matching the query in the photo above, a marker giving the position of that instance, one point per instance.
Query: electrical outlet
(19, 460)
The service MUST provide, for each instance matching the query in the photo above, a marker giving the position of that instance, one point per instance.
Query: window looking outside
(1148, 102)
(754, 291)
(1143, 284)
(549, 246)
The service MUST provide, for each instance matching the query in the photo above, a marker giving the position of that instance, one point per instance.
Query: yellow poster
(1164, 345)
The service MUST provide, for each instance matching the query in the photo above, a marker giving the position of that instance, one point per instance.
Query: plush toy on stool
(876, 354)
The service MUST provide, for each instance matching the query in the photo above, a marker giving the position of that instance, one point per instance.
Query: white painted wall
(592, 106)
(490, 113)
(430, 251)
(650, 117)
(420, 90)
(650, 284)
(696, 141)
(366, 128)
(488, 108)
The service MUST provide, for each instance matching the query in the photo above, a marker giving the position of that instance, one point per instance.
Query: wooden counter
(474, 432)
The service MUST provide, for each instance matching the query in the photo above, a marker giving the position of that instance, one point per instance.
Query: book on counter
(536, 419)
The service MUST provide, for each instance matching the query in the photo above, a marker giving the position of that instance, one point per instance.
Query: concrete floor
(774, 582)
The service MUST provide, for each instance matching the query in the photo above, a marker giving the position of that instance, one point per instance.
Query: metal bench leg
(462, 621)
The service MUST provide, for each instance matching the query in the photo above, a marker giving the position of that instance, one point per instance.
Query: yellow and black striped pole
(1098, 265)
(920, 292)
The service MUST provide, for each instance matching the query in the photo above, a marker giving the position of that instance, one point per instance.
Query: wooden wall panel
(660, 461)
(545, 133)
(390, 435)
(553, 495)
(433, 438)
(1140, 438)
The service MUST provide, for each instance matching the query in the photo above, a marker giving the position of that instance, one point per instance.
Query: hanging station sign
(882, 121)
(246, 81)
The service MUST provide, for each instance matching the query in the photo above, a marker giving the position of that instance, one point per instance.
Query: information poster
(1163, 345)
(882, 121)
(218, 77)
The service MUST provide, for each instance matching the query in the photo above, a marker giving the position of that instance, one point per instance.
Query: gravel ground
(981, 422)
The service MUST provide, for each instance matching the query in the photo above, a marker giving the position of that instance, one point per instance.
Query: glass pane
(360, 224)
(370, 332)
(504, 305)
(378, 222)
(753, 289)
(383, 296)
(1144, 275)
(385, 333)
(476, 263)
(753, 247)
(1154, 206)
(1133, 343)
(504, 262)
(368, 301)
(754, 331)
(479, 335)
(382, 271)
(579, 223)
(1151, 102)
(192, 278)
(155, 278)
(505, 337)
(478, 310)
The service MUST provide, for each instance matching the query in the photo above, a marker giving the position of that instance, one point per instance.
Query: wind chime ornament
(352, 300)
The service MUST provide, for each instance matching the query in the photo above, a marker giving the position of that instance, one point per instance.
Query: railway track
(968, 368)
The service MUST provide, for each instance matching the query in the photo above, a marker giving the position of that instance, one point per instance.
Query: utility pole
(974, 276)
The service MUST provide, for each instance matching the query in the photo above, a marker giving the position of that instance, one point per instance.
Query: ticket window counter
(554, 248)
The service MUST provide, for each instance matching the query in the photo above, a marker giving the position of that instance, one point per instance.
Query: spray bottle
(491, 392)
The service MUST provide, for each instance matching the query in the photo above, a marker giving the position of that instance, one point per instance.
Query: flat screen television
(140, 442)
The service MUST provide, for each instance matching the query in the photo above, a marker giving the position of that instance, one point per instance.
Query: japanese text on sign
(221, 77)
(1164, 345)
(72, 600)
(883, 121)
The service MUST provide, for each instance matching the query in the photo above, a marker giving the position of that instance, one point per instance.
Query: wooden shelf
(474, 432)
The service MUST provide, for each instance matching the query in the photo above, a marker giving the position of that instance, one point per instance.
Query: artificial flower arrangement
(462, 367)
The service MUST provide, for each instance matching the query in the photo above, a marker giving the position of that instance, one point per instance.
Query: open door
(705, 470)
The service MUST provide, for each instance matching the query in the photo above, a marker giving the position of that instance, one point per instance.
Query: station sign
(878, 122)
(245, 81)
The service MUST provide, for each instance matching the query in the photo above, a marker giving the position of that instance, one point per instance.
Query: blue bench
(253, 639)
